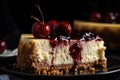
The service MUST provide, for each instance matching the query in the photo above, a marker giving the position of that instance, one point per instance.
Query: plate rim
(32, 74)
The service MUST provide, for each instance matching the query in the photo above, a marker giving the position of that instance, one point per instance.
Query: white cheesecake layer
(92, 50)
(52, 56)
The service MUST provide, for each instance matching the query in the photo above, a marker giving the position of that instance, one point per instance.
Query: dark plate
(112, 73)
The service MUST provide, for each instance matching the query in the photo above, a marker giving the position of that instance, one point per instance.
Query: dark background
(15, 14)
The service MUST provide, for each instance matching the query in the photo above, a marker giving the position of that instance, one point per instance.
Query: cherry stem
(40, 12)
(35, 18)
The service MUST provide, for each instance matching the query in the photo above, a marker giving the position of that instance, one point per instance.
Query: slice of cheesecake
(42, 55)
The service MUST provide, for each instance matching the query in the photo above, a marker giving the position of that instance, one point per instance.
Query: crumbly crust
(45, 69)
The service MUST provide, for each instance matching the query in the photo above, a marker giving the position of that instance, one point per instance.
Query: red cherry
(45, 30)
(3, 46)
(35, 29)
(96, 17)
(66, 28)
(111, 17)
(40, 30)
(53, 24)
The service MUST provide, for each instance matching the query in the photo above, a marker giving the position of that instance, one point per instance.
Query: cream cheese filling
(91, 51)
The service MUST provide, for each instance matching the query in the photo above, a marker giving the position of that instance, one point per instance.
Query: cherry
(51, 29)
(65, 27)
(53, 24)
(95, 16)
(35, 29)
(111, 17)
(40, 30)
(3, 46)
(45, 30)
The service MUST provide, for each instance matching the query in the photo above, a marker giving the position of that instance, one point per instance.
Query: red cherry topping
(75, 50)
(3, 46)
(40, 30)
(96, 17)
(45, 30)
(111, 17)
(53, 24)
(35, 29)
(51, 29)
(66, 28)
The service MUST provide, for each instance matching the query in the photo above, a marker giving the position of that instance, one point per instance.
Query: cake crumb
(92, 69)
(44, 72)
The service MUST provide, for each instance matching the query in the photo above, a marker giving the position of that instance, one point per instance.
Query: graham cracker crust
(45, 69)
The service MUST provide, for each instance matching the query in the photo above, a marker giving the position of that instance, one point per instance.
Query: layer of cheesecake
(37, 54)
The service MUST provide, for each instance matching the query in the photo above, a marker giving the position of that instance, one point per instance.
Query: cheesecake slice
(42, 55)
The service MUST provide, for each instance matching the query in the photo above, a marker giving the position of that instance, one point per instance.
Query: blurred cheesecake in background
(110, 32)
(103, 23)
